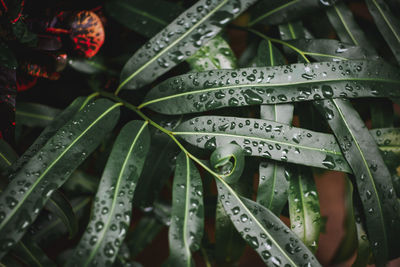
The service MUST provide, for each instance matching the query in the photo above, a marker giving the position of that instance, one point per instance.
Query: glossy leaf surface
(7, 155)
(196, 92)
(50, 167)
(32, 114)
(111, 214)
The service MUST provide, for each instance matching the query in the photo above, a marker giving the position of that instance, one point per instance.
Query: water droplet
(252, 98)
(329, 162)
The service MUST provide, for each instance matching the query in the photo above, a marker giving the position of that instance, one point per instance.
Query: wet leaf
(201, 91)
(387, 23)
(48, 169)
(112, 207)
(91, 66)
(33, 114)
(305, 216)
(7, 155)
(228, 161)
(264, 138)
(179, 40)
(142, 16)
(263, 231)
(373, 179)
(187, 215)
(32, 254)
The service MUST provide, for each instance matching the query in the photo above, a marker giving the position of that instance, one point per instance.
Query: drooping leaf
(111, 214)
(33, 114)
(388, 139)
(388, 24)
(215, 54)
(7, 155)
(228, 161)
(32, 254)
(278, 12)
(48, 227)
(347, 28)
(305, 216)
(48, 132)
(59, 205)
(81, 183)
(263, 231)
(187, 215)
(373, 179)
(265, 139)
(273, 183)
(143, 234)
(201, 91)
(50, 167)
(91, 66)
(179, 40)
(144, 17)
(364, 249)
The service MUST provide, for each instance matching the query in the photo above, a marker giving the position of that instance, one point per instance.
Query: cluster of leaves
(290, 68)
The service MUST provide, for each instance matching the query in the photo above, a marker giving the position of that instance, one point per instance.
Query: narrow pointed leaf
(305, 216)
(273, 183)
(215, 54)
(187, 215)
(7, 155)
(364, 249)
(143, 234)
(197, 92)
(59, 205)
(278, 12)
(291, 30)
(48, 132)
(265, 139)
(388, 24)
(373, 179)
(388, 139)
(142, 16)
(32, 114)
(347, 28)
(93, 65)
(48, 169)
(113, 203)
(180, 39)
(264, 232)
(48, 228)
(32, 254)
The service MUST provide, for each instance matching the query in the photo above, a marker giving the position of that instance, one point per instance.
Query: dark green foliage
(192, 145)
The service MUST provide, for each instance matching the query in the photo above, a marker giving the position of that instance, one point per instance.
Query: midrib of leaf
(38, 116)
(233, 193)
(324, 55)
(5, 159)
(303, 210)
(366, 165)
(271, 53)
(292, 33)
(143, 13)
(386, 20)
(346, 26)
(100, 239)
(29, 191)
(273, 186)
(169, 46)
(265, 85)
(30, 254)
(260, 139)
(251, 23)
(185, 221)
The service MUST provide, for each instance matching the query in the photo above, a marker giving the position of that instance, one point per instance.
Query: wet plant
(197, 137)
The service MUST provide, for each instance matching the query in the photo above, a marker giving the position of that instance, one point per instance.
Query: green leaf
(265, 139)
(142, 16)
(277, 11)
(48, 132)
(348, 245)
(113, 202)
(7, 155)
(215, 54)
(187, 215)
(201, 91)
(48, 228)
(59, 205)
(373, 179)
(273, 183)
(81, 183)
(363, 250)
(179, 40)
(93, 65)
(347, 28)
(48, 169)
(31, 254)
(305, 216)
(291, 30)
(388, 139)
(387, 23)
(264, 232)
(32, 114)
(144, 233)
(228, 161)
